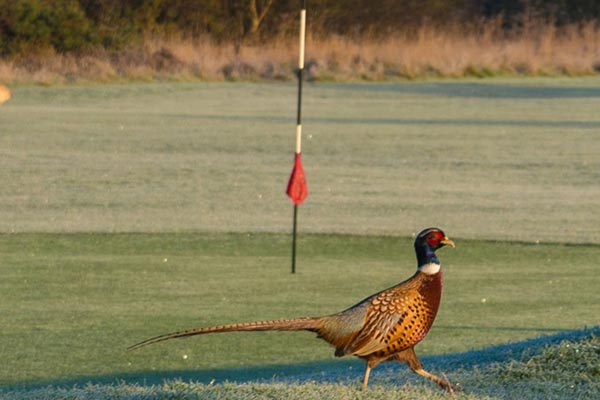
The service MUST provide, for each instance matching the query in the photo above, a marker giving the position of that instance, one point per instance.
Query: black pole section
(300, 79)
(294, 240)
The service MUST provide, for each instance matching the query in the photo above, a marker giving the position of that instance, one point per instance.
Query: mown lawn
(128, 211)
(72, 303)
(563, 366)
(493, 159)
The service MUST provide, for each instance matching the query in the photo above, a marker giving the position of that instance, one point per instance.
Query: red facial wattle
(434, 239)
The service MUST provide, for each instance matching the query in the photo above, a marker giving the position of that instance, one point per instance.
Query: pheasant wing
(391, 323)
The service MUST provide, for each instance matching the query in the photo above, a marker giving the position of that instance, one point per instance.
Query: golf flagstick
(296, 188)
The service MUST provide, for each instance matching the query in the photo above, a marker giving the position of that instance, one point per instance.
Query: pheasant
(383, 327)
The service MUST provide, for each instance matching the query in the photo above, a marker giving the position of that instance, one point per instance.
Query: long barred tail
(296, 324)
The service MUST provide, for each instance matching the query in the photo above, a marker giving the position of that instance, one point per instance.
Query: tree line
(77, 26)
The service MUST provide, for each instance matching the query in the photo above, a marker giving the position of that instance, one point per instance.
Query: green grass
(546, 369)
(72, 303)
(509, 168)
(499, 159)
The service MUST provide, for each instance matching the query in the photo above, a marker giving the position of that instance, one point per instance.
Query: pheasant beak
(447, 242)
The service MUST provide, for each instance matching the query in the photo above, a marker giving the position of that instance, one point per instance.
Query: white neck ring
(430, 269)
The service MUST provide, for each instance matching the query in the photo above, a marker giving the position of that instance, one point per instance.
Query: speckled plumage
(386, 322)
(383, 327)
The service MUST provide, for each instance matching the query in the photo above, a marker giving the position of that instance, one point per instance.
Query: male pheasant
(383, 327)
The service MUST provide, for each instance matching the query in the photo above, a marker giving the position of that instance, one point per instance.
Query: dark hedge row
(35, 26)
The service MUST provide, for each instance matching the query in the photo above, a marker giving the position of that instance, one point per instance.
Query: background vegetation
(69, 40)
(75, 25)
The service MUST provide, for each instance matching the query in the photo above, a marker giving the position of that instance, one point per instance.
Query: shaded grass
(502, 159)
(72, 303)
(546, 368)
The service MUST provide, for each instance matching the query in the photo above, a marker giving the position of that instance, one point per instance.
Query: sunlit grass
(506, 159)
(204, 167)
(71, 304)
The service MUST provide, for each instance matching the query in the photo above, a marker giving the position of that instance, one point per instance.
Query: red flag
(296, 187)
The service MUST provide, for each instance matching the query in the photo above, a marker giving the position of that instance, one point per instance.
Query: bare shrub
(486, 49)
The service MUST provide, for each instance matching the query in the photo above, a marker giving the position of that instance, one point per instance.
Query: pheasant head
(427, 242)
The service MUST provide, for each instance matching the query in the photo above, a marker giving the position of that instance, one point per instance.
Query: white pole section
(300, 78)
(302, 37)
(298, 139)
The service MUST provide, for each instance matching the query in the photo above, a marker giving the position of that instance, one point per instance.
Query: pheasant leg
(443, 383)
(371, 363)
(366, 378)
(409, 357)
